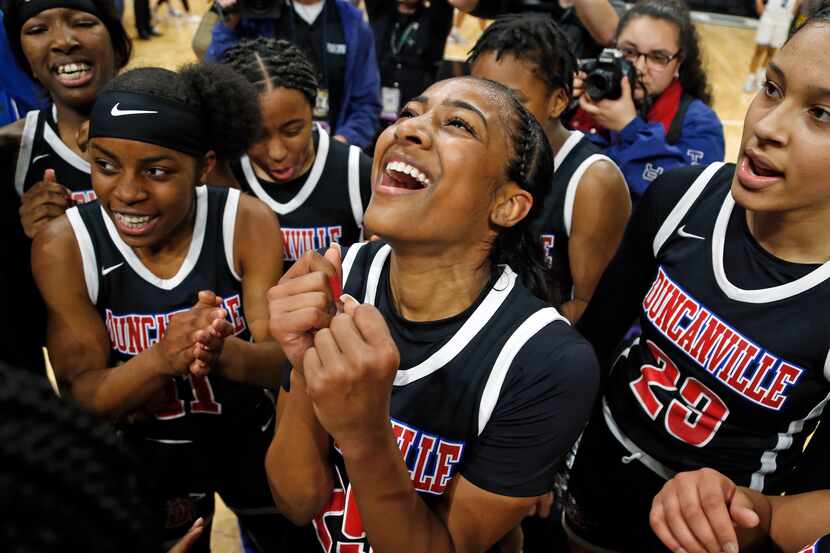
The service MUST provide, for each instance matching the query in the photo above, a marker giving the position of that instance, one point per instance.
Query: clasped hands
(342, 353)
(195, 338)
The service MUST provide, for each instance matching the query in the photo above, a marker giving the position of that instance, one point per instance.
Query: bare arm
(258, 259)
(601, 210)
(297, 464)
(704, 512)
(599, 18)
(349, 374)
(78, 341)
(396, 518)
(799, 520)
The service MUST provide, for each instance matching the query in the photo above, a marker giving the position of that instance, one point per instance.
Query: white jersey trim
(229, 229)
(24, 154)
(573, 184)
(827, 366)
(193, 252)
(495, 381)
(684, 205)
(566, 149)
(348, 261)
(785, 441)
(354, 185)
(636, 453)
(87, 252)
(461, 339)
(308, 187)
(373, 277)
(761, 295)
(64, 151)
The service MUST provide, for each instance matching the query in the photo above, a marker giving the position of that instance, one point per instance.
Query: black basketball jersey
(723, 375)
(41, 148)
(324, 206)
(136, 306)
(822, 545)
(575, 157)
(442, 404)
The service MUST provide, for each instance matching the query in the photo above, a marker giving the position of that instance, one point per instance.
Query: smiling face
(70, 53)
(436, 170)
(649, 35)
(785, 149)
(286, 149)
(146, 189)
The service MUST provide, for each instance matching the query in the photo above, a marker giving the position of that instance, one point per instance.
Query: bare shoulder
(55, 246)
(603, 174)
(254, 212)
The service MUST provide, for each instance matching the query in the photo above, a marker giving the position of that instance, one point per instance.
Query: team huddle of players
(198, 243)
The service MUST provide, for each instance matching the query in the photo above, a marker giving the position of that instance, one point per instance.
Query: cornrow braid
(268, 63)
(530, 166)
(535, 38)
(66, 482)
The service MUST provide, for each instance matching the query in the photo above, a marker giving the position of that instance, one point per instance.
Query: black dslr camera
(605, 73)
(254, 9)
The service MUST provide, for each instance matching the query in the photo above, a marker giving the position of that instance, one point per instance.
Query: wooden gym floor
(727, 53)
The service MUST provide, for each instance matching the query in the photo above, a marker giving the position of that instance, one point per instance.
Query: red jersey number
(203, 401)
(695, 416)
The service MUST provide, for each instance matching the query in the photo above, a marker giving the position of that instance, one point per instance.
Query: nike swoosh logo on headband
(119, 112)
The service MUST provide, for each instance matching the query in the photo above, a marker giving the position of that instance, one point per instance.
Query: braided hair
(66, 482)
(268, 63)
(535, 38)
(692, 75)
(530, 166)
(226, 100)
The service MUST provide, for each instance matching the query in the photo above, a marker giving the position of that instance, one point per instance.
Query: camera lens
(599, 84)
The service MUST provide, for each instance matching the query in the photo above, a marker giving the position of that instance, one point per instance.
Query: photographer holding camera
(647, 103)
(339, 43)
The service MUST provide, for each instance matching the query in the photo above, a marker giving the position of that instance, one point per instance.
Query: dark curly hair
(122, 46)
(534, 38)
(692, 76)
(227, 102)
(530, 166)
(66, 482)
(268, 63)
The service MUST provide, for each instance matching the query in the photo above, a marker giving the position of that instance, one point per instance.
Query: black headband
(147, 118)
(27, 9)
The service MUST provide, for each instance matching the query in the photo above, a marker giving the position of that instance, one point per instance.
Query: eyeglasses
(655, 60)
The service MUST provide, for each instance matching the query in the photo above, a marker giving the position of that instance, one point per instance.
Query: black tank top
(41, 148)
(136, 306)
(723, 376)
(441, 405)
(326, 205)
(553, 221)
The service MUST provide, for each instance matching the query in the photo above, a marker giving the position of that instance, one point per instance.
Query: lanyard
(396, 48)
